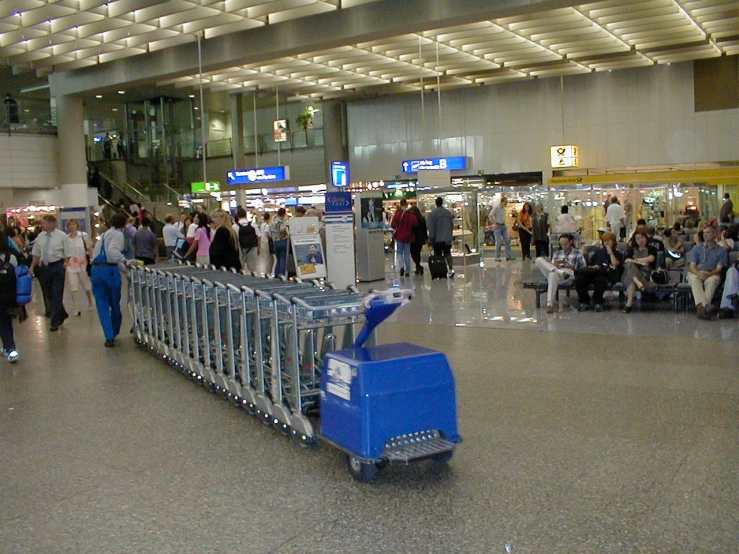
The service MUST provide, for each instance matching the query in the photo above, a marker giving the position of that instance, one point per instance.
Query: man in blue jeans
(107, 264)
(497, 218)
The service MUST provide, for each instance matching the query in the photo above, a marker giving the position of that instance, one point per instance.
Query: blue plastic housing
(370, 395)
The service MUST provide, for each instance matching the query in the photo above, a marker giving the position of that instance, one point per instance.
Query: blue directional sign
(452, 164)
(259, 175)
(340, 174)
(339, 202)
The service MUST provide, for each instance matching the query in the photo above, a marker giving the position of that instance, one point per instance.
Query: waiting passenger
(707, 261)
(638, 266)
(652, 241)
(201, 243)
(603, 268)
(730, 295)
(675, 251)
(565, 261)
(145, 243)
(497, 218)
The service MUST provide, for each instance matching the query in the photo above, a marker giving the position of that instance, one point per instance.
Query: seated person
(639, 263)
(565, 260)
(675, 251)
(565, 222)
(602, 268)
(707, 261)
(730, 296)
(652, 241)
(729, 237)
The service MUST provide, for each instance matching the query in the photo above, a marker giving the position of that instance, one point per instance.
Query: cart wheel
(359, 470)
(307, 442)
(281, 426)
(265, 418)
(444, 457)
(250, 408)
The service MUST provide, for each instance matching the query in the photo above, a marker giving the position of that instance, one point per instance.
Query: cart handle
(379, 306)
(391, 296)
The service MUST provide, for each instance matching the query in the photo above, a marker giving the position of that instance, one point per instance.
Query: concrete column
(335, 141)
(237, 130)
(72, 159)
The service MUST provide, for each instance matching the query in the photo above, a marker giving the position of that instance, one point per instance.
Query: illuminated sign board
(259, 175)
(279, 127)
(340, 174)
(452, 164)
(201, 187)
(567, 155)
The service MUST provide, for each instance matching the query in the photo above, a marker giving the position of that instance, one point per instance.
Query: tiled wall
(630, 117)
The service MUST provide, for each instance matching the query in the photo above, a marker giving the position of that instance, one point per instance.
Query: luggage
(23, 285)
(437, 267)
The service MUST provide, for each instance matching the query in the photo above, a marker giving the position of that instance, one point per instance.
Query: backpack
(247, 236)
(23, 285)
(7, 283)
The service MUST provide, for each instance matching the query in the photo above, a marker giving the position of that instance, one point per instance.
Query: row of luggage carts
(260, 342)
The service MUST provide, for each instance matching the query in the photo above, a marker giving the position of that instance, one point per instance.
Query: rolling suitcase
(437, 267)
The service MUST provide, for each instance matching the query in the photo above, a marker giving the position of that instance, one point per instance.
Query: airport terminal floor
(583, 432)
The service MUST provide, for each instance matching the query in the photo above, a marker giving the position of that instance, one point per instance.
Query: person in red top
(403, 223)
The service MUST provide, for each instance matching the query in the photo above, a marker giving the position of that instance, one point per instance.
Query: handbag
(659, 277)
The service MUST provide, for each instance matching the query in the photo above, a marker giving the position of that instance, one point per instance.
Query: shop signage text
(260, 175)
(452, 164)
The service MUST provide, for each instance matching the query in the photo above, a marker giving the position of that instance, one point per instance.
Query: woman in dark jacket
(224, 248)
(420, 236)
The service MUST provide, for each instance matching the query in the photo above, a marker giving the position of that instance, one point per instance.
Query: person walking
(249, 237)
(540, 221)
(279, 233)
(146, 244)
(51, 252)
(107, 265)
(266, 258)
(224, 248)
(497, 217)
(171, 233)
(403, 223)
(440, 229)
(420, 237)
(8, 302)
(201, 244)
(615, 217)
(81, 247)
(525, 230)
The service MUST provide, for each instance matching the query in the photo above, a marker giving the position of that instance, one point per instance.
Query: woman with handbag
(525, 228)
(638, 266)
(77, 266)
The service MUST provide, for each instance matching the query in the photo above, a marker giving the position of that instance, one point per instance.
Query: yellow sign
(707, 176)
(567, 155)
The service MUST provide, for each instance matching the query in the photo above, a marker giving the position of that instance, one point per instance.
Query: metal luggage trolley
(308, 325)
(269, 405)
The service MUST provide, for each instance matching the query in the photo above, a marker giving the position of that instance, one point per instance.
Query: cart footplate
(404, 449)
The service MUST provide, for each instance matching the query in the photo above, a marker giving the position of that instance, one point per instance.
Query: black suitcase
(437, 267)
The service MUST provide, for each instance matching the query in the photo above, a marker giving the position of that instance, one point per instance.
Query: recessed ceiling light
(121, 92)
(98, 96)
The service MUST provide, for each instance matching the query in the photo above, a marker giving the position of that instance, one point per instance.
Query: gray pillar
(237, 130)
(72, 159)
(335, 143)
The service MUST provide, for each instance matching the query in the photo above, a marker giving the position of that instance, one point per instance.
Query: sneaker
(550, 309)
(598, 308)
(583, 308)
(450, 274)
(13, 356)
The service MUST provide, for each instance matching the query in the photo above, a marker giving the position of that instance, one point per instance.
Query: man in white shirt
(51, 252)
(615, 217)
(249, 243)
(171, 233)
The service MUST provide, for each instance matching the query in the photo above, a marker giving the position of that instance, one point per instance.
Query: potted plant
(305, 120)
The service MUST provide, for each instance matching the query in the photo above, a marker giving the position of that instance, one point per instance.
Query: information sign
(340, 174)
(259, 175)
(202, 187)
(452, 164)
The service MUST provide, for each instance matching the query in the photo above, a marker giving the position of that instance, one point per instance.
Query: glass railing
(28, 116)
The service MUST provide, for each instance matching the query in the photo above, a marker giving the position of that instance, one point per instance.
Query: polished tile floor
(592, 433)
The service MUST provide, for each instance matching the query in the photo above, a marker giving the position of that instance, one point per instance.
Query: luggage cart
(388, 404)
(304, 321)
